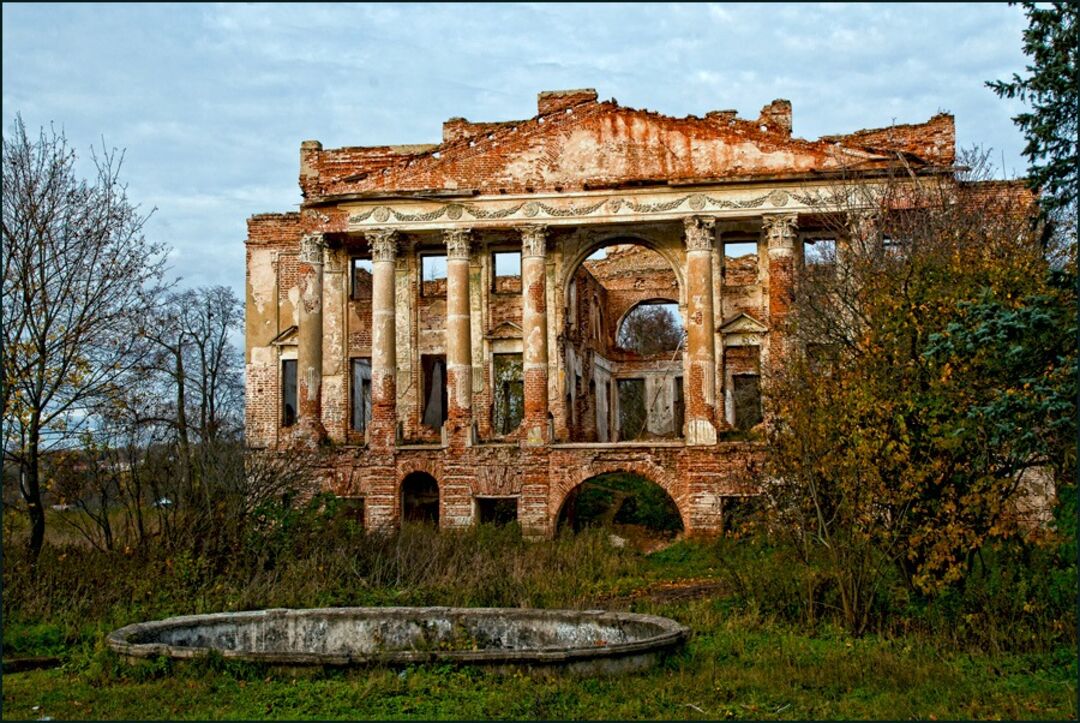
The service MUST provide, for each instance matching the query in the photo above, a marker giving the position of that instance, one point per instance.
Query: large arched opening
(631, 506)
(420, 498)
(622, 344)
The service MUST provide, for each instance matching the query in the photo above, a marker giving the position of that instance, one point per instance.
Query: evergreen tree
(1051, 89)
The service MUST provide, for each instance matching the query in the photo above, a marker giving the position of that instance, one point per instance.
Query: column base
(700, 433)
(382, 436)
(460, 432)
(309, 434)
(537, 433)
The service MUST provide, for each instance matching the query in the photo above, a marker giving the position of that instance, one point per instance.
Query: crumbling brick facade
(395, 364)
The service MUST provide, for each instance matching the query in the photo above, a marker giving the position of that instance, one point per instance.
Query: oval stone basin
(585, 640)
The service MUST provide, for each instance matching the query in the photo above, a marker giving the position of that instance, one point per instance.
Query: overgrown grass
(756, 652)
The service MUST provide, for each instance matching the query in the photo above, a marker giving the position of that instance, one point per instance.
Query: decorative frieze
(598, 205)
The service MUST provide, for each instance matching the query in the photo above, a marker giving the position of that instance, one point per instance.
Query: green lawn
(738, 664)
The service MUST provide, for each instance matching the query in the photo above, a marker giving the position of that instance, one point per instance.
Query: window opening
(361, 279)
(740, 262)
(819, 252)
(507, 277)
(433, 275)
(509, 383)
(434, 369)
(496, 510)
(652, 327)
(632, 416)
(361, 394)
(747, 393)
(892, 246)
(288, 392)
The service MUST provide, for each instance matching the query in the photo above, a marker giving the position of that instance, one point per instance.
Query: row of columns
(702, 413)
(458, 337)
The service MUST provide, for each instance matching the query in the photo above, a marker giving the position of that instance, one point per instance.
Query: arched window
(651, 327)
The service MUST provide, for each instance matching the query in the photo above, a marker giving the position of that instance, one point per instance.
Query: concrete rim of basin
(669, 634)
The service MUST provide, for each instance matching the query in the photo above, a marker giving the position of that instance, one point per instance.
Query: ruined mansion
(469, 330)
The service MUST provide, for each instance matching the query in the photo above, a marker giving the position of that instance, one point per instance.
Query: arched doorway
(632, 506)
(622, 345)
(420, 498)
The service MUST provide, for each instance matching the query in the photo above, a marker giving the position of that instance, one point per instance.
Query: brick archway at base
(429, 467)
(668, 481)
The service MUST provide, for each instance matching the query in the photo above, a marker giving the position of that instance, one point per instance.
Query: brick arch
(667, 250)
(430, 467)
(668, 481)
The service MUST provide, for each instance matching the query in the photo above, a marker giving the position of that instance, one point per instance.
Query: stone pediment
(505, 330)
(584, 144)
(742, 323)
(286, 338)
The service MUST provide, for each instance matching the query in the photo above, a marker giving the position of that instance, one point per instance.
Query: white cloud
(212, 101)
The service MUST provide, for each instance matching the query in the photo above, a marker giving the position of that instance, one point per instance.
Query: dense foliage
(929, 407)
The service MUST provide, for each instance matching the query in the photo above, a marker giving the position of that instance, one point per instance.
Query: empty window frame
(893, 246)
(496, 510)
(819, 252)
(632, 415)
(360, 394)
(433, 274)
(508, 381)
(740, 262)
(746, 390)
(360, 273)
(433, 367)
(288, 392)
(506, 278)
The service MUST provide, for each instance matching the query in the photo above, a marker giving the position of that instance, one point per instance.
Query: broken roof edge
(931, 143)
(571, 98)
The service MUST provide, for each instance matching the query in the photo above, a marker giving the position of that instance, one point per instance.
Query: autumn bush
(931, 385)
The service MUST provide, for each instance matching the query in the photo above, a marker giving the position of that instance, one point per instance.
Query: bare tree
(651, 328)
(79, 279)
(208, 316)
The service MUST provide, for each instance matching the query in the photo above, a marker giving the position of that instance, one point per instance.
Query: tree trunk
(31, 490)
(181, 421)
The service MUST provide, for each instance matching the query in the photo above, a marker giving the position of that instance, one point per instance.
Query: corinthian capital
(457, 242)
(383, 243)
(533, 240)
(780, 230)
(699, 232)
(311, 248)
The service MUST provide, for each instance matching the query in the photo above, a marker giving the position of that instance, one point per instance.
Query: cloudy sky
(211, 102)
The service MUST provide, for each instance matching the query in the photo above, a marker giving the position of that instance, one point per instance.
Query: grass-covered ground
(742, 662)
